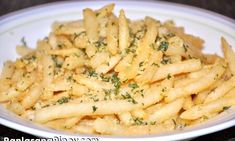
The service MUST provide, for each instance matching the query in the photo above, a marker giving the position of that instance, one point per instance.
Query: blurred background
(224, 7)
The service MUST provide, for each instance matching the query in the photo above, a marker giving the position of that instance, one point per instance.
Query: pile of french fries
(109, 75)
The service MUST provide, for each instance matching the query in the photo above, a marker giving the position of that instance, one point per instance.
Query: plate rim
(7, 17)
(195, 9)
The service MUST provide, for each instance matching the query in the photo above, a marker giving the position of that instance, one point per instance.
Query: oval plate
(35, 23)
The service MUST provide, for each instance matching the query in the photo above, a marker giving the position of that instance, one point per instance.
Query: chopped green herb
(185, 48)
(76, 35)
(170, 35)
(216, 76)
(141, 64)
(142, 92)
(152, 46)
(168, 76)
(190, 57)
(95, 99)
(23, 41)
(163, 46)
(97, 14)
(130, 49)
(116, 82)
(107, 94)
(152, 122)
(70, 79)
(165, 61)
(45, 106)
(34, 57)
(92, 73)
(105, 79)
(133, 86)
(164, 89)
(139, 121)
(57, 64)
(60, 26)
(128, 97)
(94, 108)
(181, 126)
(100, 43)
(63, 100)
(76, 54)
(174, 122)
(155, 64)
(204, 117)
(226, 107)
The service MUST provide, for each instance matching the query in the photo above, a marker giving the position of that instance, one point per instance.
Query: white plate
(34, 23)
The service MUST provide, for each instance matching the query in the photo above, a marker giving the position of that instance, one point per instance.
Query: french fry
(9, 94)
(123, 31)
(112, 37)
(63, 124)
(93, 84)
(229, 55)
(104, 68)
(23, 50)
(200, 98)
(65, 52)
(215, 106)
(102, 126)
(90, 24)
(125, 118)
(221, 90)
(97, 108)
(68, 28)
(105, 11)
(178, 68)
(7, 70)
(16, 107)
(148, 73)
(109, 75)
(198, 86)
(143, 50)
(32, 97)
(166, 111)
(188, 103)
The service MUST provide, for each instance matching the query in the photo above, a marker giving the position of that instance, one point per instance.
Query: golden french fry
(167, 111)
(103, 126)
(109, 75)
(215, 106)
(123, 31)
(97, 108)
(221, 90)
(7, 70)
(197, 86)
(177, 68)
(90, 24)
(63, 124)
(229, 55)
(125, 118)
(188, 103)
(23, 50)
(104, 68)
(112, 37)
(105, 11)
(32, 97)
(9, 94)
(93, 83)
(200, 98)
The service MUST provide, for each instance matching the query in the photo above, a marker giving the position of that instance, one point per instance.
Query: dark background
(224, 7)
